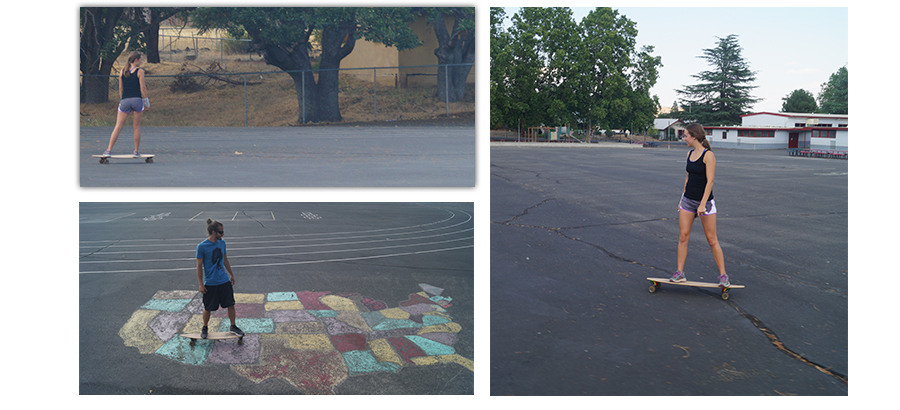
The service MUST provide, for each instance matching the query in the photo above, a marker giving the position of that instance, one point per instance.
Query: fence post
(303, 91)
(447, 88)
(246, 118)
(375, 89)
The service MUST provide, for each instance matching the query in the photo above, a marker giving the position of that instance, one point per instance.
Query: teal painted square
(431, 320)
(169, 305)
(323, 313)
(281, 296)
(388, 324)
(179, 349)
(362, 361)
(264, 325)
(430, 347)
(372, 318)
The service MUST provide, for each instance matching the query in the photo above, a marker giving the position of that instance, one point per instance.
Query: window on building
(756, 133)
(824, 134)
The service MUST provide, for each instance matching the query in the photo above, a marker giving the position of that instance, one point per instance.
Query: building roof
(799, 114)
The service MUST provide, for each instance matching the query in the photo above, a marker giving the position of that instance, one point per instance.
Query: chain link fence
(217, 81)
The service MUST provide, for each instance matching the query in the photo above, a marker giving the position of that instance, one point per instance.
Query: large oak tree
(283, 37)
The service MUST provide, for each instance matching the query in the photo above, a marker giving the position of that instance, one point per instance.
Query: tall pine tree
(723, 93)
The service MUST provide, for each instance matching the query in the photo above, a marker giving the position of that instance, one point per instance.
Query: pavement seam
(773, 338)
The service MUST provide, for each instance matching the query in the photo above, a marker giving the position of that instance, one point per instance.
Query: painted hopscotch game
(312, 340)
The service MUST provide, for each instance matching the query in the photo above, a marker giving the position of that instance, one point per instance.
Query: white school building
(782, 130)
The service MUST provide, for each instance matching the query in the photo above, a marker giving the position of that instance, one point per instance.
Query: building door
(794, 140)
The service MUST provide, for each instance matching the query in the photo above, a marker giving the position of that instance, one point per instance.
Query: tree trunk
(453, 48)
(97, 28)
(337, 43)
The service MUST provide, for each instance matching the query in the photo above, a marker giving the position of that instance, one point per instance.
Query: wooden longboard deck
(691, 283)
(104, 159)
(211, 336)
(124, 156)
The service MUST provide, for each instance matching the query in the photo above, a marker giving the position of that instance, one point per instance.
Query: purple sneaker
(677, 277)
(723, 281)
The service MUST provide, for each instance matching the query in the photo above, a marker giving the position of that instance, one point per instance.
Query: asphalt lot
(575, 232)
(311, 156)
(131, 253)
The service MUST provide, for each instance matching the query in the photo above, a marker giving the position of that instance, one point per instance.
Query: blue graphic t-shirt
(213, 255)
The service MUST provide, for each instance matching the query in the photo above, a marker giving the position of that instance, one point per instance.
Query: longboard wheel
(149, 160)
(725, 294)
(192, 342)
(241, 340)
(652, 288)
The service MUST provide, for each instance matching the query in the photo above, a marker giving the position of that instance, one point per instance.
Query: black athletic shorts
(218, 295)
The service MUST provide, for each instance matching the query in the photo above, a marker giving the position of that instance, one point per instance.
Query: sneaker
(723, 281)
(137, 154)
(106, 153)
(677, 277)
(204, 333)
(234, 329)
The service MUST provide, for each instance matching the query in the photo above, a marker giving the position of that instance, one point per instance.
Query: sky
(788, 47)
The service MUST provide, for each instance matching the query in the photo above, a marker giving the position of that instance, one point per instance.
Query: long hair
(212, 226)
(696, 130)
(126, 71)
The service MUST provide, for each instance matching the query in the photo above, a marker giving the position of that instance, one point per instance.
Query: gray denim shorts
(134, 104)
(691, 205)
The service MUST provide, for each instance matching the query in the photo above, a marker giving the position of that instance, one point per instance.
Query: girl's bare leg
(120, 123)
(137, 130)
(685, 222)
(709, 227)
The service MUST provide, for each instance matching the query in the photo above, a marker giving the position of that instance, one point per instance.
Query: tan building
(367, 54)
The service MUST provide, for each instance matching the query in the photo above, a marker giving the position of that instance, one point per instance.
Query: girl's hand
(701, 210)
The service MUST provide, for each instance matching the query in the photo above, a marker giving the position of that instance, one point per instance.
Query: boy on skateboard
(215, 277)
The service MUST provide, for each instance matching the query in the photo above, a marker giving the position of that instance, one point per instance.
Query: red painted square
(348, 342)
(310, 300)
(405, 348)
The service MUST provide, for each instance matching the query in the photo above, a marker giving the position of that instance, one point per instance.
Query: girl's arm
(140, 74)
(710, 161)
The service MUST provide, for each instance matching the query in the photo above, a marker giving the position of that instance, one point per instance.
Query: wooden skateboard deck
(104, 159)
(214, 336)
(656, 282)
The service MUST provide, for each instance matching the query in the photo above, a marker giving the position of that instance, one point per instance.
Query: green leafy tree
(723, 93)
(833, 97)
(148, 20)
(516, 73)
(548, 69)
(799, 100)
(500, 59)
(283, 36)
(104, 34)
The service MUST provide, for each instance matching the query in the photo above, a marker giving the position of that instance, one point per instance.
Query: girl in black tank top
(133, 100)
(696, 184)
(697, 201)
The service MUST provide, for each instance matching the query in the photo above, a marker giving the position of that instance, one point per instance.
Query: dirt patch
(270, 99)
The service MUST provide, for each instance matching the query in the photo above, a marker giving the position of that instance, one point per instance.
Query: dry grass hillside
(271, 99)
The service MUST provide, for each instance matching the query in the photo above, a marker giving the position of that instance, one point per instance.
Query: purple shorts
(134, 104)
(691, 205)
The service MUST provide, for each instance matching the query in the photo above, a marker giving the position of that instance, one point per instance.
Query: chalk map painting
(312, 340)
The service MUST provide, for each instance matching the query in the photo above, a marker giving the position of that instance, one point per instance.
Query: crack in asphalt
(97, 250)
(773, 338)
(253, 219)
